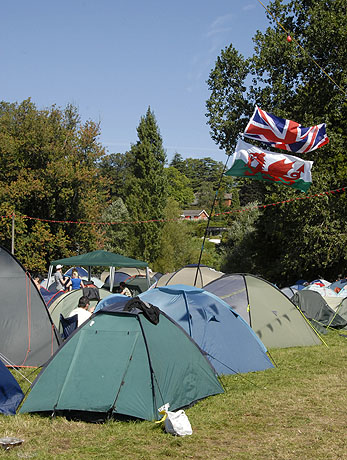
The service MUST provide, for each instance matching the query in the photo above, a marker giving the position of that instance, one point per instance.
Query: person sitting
(83, 311)
(124, 290)
(76, 281)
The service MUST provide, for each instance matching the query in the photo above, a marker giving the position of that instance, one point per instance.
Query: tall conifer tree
(146, 189)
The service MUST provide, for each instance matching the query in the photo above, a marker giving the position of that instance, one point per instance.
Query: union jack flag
(284, 134)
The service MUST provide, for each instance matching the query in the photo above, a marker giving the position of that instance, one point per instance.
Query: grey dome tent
(289, 291)
(316, 309)
(124, 274)
(27, 334)
(273, 317)
(121, 364)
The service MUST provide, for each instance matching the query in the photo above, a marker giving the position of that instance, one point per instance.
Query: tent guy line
(261, 206)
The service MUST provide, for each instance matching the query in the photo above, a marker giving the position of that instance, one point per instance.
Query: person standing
(61, 284)
(76, 281)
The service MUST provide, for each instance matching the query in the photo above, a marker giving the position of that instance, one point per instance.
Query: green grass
(296, 411)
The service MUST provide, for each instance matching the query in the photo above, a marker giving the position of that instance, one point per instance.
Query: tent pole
(148, 278)
(111, 278)
(12, 241)
(50, 270)
(209, 219)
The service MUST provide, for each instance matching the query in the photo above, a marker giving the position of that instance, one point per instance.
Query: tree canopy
(309, 236)
(48, 172)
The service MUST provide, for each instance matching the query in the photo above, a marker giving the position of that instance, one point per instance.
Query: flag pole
(209, 218)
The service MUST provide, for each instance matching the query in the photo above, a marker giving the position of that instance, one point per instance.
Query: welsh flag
(256, 163)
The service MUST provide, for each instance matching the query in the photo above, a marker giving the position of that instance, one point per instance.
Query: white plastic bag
(176, 423)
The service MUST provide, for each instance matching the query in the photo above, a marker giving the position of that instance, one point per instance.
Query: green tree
(175, 241)
(117, 233)
(146, 189)
(306, 237)
(237, 246)
(177, 162)
(228, 106)
(114, 168)
(178, 187)
(206, 196)
(48, 172)
(202, 171)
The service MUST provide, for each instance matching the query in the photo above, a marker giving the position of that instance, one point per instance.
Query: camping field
(296, 411)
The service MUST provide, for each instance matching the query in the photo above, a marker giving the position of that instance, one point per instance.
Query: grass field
(297, 411)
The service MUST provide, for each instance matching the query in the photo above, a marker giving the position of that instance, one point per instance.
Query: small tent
(82, 272)
(49, 297)
(316, 309)
(27, 334)
(228, 341)
(324, 291)
(137, 284)
(338, 284)
(11, 394)
(124, 274)
(68, 301)
(273, 317)
(189, 274)
(122, 364)
(289, 291)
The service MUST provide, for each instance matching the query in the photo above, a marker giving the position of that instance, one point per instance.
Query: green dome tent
(121, 364)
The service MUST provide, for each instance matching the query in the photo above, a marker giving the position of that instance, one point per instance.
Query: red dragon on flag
(255, 163)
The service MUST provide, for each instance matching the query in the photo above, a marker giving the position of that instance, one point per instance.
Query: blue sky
(114, 58)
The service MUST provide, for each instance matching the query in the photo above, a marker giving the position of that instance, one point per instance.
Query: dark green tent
(121, 364)
(99, 258)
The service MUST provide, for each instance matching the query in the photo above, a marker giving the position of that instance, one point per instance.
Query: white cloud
(249, 7)
(220, 25)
